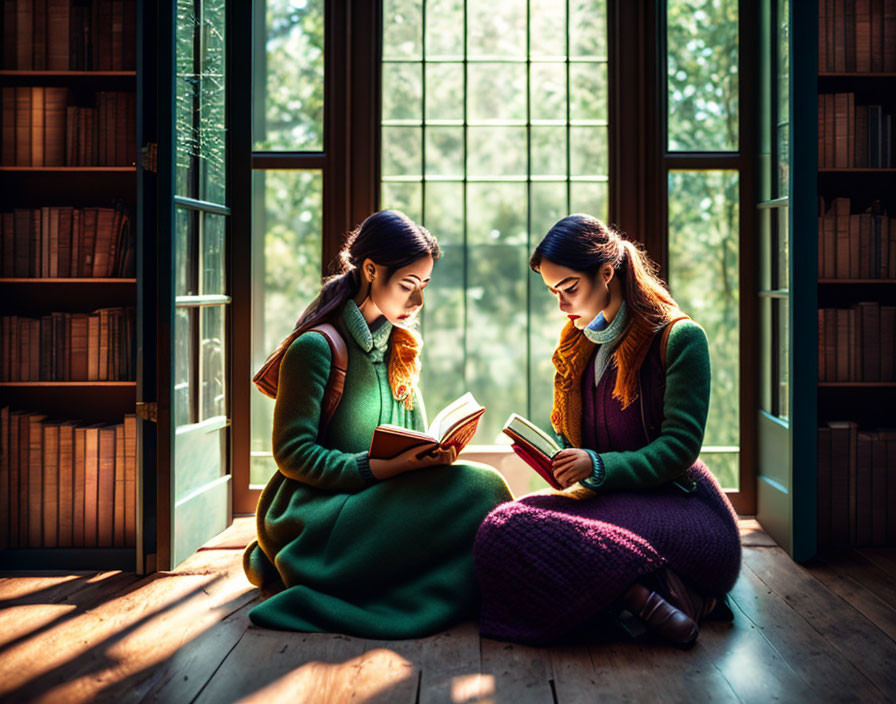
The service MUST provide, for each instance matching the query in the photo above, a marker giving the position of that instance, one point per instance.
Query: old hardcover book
(824, 486)
(105, 218)
(53, 254)
(878, 490)
(88, 241)
(8, 118)
(877, 36)
(76, 243)
(24, 35)
(861, 144)
(79, 456)
(91, 484)
(14, 474)
(93, 347)
(35, 479)
(863, 36)
(4, 477)
(64, 264)
(889, 36)
(830, 134)
(105, 526)
(119, 502)
(37, 126)
(130, 480)
(841, 130)
(887, 346)
(822, 367)
(103, 356)
(50, 491)
(843, 337)
(533, 445)
(58, 33)
(841, 213)
(24, 478)
(66, 484)
(454, 426)
(870, 312)
(55, 104)
(830, 243)
(839, 38)
(23, 125)
(863, 488)
(843, 473)
(856, 239)
(78, 352)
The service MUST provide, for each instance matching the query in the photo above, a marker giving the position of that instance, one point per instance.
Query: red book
(534, 446)
(106, 481)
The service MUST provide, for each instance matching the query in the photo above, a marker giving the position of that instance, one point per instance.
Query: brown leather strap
(267, 378)
(338, 367)
(664, 341)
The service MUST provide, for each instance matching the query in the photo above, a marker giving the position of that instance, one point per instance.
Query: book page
(532, 434)
(451, 415)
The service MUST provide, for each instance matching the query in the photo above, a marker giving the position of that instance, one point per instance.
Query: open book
(533, 445)
(454, 426)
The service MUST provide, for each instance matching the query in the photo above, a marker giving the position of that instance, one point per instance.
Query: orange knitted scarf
(570, 358)
(404, 365)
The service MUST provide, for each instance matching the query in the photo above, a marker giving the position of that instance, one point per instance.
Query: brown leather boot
(660, 617)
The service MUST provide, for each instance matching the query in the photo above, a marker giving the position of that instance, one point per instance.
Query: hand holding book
(450, 431)
(559, 467)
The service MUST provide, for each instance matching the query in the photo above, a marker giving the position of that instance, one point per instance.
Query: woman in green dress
(368, 547)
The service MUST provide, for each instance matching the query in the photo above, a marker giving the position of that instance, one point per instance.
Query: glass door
(200, 486)
(787, 299)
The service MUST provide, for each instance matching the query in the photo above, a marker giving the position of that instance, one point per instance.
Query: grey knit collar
(369, 339)
(601, 333)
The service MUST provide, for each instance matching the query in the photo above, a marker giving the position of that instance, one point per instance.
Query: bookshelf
(77, 111)
(856, 86)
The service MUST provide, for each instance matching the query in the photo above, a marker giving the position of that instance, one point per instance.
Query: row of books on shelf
(98, 346)
(67, 484)
(856, 485)
(67, 242)
(856, 35)
(855, 245)
(853, 136)
(857, 343)
(62, 35)
(41, 127)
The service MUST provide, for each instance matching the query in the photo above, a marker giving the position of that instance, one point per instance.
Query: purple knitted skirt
(546, 564)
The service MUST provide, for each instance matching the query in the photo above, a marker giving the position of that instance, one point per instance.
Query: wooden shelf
(874, 282)
(857, 384)
(86, 281)
(69, 384)
(73, 169)
(855, 74)
(68, 74)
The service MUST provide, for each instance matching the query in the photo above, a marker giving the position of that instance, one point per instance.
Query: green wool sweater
(685, 408)
(375, 559)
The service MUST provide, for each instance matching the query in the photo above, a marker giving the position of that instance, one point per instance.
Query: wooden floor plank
(521, 674)
(385, 677)
(107, 651)
(755, 671)
(867, 573)
(812, 628)
(575, 679)
(281, 666)
(235, 537)
(752, 534)
(885, 558)
(857, 595)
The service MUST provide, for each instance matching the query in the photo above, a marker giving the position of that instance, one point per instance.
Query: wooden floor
(822, 633)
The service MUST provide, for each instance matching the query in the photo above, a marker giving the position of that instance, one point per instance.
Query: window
(287, 188)
(494, 126)
(703, 170)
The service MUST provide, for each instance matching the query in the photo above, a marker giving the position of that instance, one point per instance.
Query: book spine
(50, 504)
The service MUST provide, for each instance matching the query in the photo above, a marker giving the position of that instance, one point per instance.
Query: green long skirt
(392, 561)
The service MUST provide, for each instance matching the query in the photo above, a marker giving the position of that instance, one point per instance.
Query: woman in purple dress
(642, 525)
